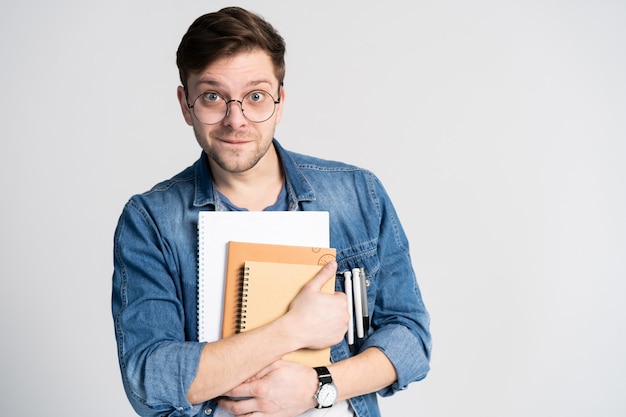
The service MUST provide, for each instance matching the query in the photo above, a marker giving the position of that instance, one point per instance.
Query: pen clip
(350, 297)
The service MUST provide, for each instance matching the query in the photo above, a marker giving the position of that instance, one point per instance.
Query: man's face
(235, 144)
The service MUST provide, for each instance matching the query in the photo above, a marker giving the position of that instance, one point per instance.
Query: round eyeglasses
(211, 108)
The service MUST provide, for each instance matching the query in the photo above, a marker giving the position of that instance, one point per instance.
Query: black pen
(366, 314)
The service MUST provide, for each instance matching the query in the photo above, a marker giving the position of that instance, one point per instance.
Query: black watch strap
(323, 374)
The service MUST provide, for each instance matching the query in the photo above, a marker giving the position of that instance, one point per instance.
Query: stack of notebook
(260, 273)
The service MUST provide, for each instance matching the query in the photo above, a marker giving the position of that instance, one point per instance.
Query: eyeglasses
(211, 108)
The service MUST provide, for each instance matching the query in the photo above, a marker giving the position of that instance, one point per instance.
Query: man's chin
(235, 166)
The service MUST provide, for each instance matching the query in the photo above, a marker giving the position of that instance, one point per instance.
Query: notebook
(268, 289)
(239, 252)
(217, 228)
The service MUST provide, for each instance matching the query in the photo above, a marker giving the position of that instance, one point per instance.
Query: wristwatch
(327, 392)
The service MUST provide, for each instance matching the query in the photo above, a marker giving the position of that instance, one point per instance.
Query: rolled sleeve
(157, 362)
(157, 382)
(401, 321)
(405, 351)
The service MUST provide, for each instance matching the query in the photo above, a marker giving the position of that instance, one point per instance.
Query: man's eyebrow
(217, 84)
(209, 82)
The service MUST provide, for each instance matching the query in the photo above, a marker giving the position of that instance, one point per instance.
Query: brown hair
(227, 32)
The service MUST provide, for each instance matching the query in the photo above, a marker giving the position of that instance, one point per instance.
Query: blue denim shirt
(154, 295)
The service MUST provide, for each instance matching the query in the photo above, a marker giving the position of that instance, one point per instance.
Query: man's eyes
(212, 96)
(256, 96)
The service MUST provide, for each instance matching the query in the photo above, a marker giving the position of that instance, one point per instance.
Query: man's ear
(182, 100)
(279, 106)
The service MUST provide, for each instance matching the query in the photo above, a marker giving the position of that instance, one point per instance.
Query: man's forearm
(362, 374)
(228, 362)
(315, 319)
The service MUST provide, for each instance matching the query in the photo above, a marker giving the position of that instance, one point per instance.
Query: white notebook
(217, 228)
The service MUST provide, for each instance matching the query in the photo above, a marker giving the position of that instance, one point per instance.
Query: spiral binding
(242, 313)
(200, 294)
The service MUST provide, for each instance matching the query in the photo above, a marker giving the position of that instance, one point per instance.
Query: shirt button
(208, 411)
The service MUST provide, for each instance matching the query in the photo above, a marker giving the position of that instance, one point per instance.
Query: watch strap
(323, 374)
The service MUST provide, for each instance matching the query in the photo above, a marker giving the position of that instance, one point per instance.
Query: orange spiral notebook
(291, 269)
(267, 291)
(238, 253)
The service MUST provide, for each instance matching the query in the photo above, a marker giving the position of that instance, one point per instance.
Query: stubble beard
(235, 160)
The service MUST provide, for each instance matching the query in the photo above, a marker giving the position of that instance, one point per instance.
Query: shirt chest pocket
(363, 266)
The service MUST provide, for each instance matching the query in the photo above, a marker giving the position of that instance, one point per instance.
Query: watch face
(327, 395)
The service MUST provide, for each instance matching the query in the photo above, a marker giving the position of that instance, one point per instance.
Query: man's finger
(326, 273)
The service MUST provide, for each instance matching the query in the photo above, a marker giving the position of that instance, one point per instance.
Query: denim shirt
(154, 297)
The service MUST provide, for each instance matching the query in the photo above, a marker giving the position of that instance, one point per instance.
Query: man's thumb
(326, 273)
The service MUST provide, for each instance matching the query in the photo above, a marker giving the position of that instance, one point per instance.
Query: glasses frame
(233, 100)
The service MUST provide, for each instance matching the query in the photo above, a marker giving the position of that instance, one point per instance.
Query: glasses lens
(258, 106)
(211, 108)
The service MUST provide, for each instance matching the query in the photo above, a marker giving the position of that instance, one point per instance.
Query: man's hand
(283, 389)
(319, 319)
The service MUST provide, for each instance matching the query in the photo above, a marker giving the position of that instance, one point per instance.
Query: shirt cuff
(406, 352)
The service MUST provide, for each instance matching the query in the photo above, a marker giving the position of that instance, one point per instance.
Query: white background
(498, 128)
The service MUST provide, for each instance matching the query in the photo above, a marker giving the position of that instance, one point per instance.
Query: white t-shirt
(340, 409)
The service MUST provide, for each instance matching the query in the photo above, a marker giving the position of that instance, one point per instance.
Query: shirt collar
(298, 187)
(205, 193)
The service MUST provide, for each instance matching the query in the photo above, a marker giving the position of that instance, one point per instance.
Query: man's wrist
(284, 326)
(326, 394)
(313, 382)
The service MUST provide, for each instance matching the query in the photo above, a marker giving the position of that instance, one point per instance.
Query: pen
(348, 285)
(358, 305)
(366, 314)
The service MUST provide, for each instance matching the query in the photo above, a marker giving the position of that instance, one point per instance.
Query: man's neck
(255, 189)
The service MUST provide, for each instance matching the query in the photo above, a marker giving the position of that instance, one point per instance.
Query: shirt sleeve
(156, 362)
(401, 321)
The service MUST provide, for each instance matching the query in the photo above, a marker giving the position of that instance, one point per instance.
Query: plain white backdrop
(498, 128)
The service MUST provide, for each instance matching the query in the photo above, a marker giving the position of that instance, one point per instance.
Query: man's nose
(233, 115)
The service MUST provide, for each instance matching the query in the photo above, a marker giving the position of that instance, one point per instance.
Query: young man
(232, 68)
